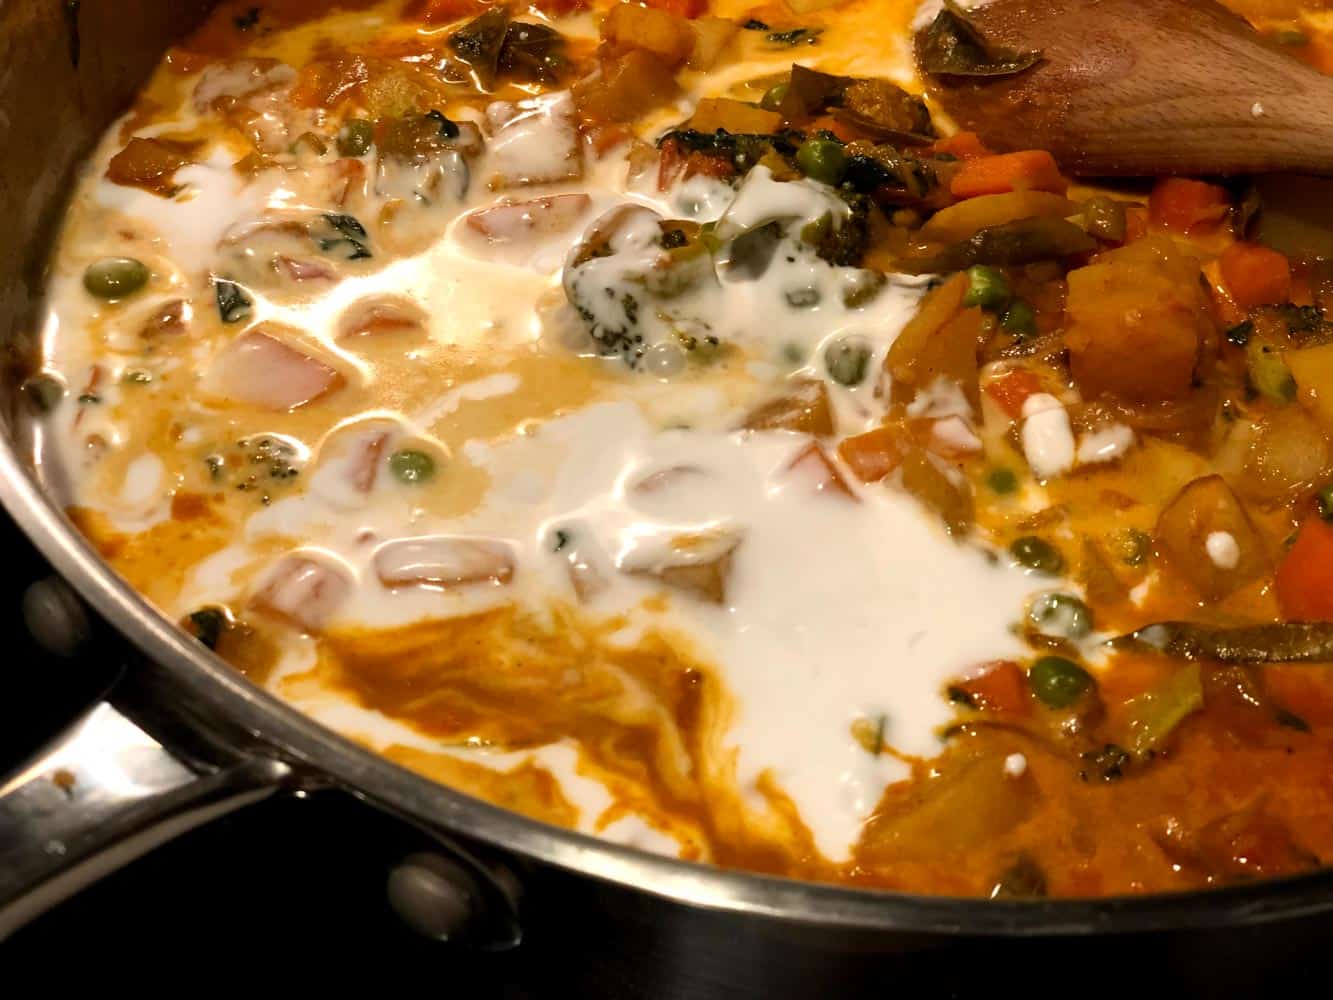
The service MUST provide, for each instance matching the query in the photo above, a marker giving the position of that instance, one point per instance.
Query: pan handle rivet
(434, 896)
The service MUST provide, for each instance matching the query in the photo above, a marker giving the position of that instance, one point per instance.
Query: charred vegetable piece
(809, 92)
(885, 112)
(207, 625)
(953, 46)
(233, 304)
(928, 483)
(532, 50)
(478, 43)
(1058, 682)
(804, 407)
(1153, 716)
(1286, 642)
(1023, 242)
(115, 277)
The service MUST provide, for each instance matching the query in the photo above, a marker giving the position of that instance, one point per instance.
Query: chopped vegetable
(1058, 682)
(1268, 373)
(478, 43)
(873, 455)
(265, 371)
(1136, 318)
(953, 46)
(1187, 206)
(1060, 615)
(1312, 370)
(1028, 170)
(928, 483)
(1304, 580)
(1286, 642)
(233, 304)
(1000, 686)
(1153, 716)
(115, 277)
(986, 287)
(803, 407)
(412, 466)
(963, 220)
(1208, 509)
(1037, 554)
(1255, 275)
(1023, 242)
(442, 561)
(664, 35)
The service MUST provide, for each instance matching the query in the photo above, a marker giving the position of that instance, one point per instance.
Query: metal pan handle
(100, 795)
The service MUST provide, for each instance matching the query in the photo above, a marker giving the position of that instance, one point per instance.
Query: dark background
(293, 891)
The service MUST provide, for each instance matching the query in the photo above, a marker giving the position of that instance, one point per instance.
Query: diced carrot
(1029, 170)
(681, 8)
(827, 123)
(1255, 275)
(1187, 206)
(1305, 578)
(964, 145)
(873, 455)
(1011, 389)
(1000, 686)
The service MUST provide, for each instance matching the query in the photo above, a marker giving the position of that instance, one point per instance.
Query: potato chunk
(1135, 322)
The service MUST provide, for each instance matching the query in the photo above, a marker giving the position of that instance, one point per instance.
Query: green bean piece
(986, 287)
(411, 466)
(1060, 615)
(1324, 498)
(355, 137)
(846, 360)
(1037, 554)
(822, 160)
(1058, 682)
(115, 277)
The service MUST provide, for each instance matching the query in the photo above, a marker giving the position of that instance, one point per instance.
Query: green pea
(115, 277)
(774, 96)
(1325, 500)
(986, 287)
(45, 391)
(355, 137)
(1019, 319)
(1038, 554)
(1060, 615)
(1002, 481)
(411, 466)
(846, 360)
(822, 160)
(1058, 682)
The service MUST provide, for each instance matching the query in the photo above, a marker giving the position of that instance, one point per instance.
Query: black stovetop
(302, 882)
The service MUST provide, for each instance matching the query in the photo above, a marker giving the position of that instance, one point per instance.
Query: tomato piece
(1012, 388)
(1000, 686)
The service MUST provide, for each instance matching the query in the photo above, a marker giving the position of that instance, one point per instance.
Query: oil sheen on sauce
(575, 481)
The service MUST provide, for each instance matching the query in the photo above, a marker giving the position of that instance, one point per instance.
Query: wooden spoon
(1145, 87)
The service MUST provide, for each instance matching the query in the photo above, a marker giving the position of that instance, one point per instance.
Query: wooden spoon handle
(1146, 87)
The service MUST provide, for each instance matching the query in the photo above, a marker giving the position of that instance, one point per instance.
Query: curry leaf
(953, 46)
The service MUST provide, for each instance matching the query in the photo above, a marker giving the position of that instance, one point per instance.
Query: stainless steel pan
(183, 738)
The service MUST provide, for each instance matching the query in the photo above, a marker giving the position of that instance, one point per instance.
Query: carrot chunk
(1305, 578)
(1030, 170)
(1011, 389)
(1187, 206)
(1000, 686)
(1255, 275)
(873, 455)
(964, 145)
